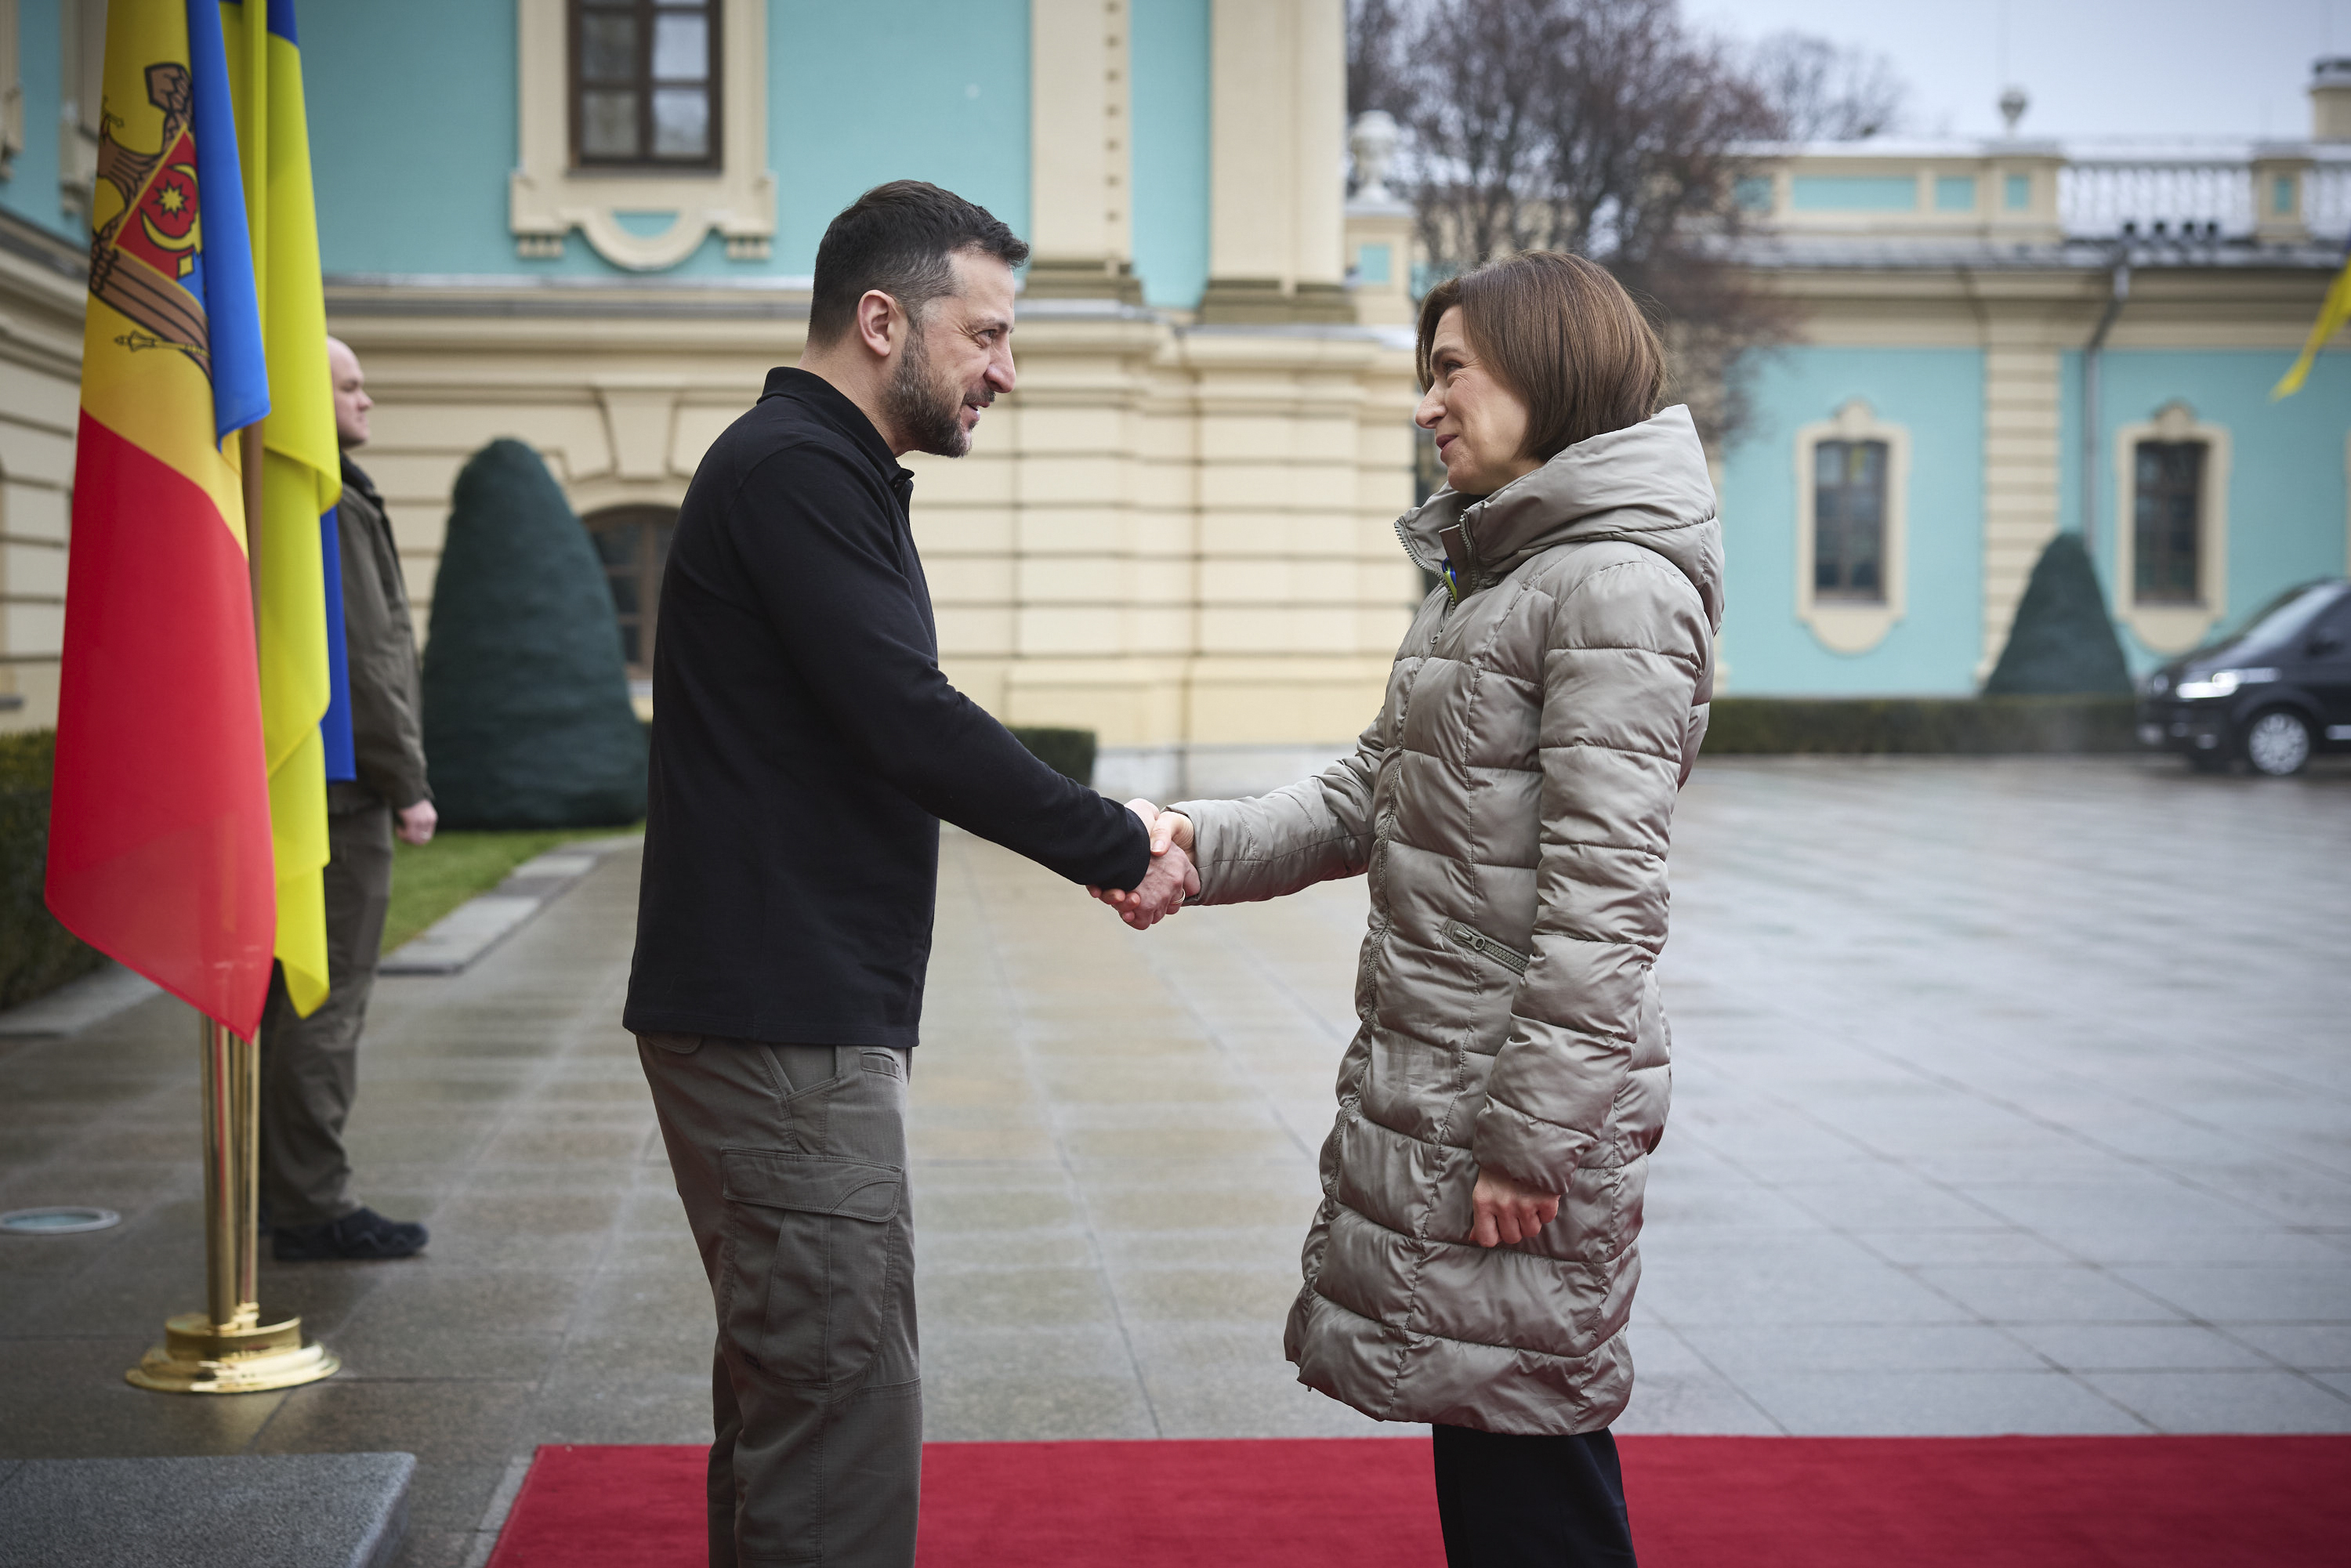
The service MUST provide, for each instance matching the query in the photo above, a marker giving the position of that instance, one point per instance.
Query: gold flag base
(199, 1356)
(227, 1349)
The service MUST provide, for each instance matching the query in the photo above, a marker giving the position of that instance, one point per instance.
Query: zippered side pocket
(1477, 941)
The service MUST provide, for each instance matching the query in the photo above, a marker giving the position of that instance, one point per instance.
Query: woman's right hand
(1509, 1211)
(1171, 877)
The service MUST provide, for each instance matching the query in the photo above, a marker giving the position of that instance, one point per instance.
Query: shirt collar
(829, 403)
(357, 477)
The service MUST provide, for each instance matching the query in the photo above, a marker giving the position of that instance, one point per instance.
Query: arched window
(633, 544)
(2171, 547)
(1852, 475)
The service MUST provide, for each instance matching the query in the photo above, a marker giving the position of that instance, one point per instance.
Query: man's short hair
(897, 238)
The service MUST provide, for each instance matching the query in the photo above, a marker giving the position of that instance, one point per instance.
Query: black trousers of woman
(1508, 1502)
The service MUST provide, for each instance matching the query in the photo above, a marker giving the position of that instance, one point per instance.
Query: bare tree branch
(1604, 127)
(1826, 92)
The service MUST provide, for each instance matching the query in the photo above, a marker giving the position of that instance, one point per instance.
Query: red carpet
(1697, 1503)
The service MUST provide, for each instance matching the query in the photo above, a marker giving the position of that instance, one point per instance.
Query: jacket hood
(1646, 484)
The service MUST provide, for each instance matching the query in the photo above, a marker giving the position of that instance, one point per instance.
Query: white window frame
(1846, 625)
(2173, 627)
(546, 198)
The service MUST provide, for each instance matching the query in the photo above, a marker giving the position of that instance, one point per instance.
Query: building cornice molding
(43, 292)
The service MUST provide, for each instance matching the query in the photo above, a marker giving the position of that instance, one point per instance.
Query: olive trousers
(792, 1163)
(311, 1066)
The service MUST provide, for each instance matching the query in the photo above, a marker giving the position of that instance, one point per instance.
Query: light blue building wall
(404, 184)
(31, 190)
(856, 95)
(894, 90)
(409, 190)
(1937, 396)
(1169, 108)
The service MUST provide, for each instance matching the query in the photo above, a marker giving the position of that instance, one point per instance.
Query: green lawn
(430, 882)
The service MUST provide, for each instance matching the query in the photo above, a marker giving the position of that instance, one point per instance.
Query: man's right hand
(417, 822)
(1171, 877)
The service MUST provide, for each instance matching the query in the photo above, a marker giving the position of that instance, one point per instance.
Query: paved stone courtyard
(2010, 1096)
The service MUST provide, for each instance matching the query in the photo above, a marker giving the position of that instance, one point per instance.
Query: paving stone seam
(1017, 1014)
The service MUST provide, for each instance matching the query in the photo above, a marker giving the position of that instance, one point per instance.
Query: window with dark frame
(644, 84)
(2168, 522)
(1849, 520)
(633, 544)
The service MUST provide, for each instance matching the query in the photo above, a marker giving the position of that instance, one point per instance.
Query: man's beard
(927, 416)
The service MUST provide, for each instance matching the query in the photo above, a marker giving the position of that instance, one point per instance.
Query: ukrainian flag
(160, 836)
(2335, 310)
(301, 473)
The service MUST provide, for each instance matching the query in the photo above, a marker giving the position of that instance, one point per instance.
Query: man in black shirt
(805, 746)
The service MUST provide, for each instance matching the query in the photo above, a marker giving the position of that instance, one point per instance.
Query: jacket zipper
(1477, 941)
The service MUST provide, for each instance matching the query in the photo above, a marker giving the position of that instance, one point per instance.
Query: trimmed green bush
(2062, 642)
(1974, 726)
(37, 954)
(526, 716)
(1069, 752)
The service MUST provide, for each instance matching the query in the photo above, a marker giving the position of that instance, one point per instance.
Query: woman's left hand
(1508, 1210)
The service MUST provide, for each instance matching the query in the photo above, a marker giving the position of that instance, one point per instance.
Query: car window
(2338, 627)
(2279, 621)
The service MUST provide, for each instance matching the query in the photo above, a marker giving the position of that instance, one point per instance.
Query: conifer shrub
(528, 722)
(2062, 642)
(37, 954)
(1069, 752)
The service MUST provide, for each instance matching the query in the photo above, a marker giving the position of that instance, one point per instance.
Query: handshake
(1172, 877)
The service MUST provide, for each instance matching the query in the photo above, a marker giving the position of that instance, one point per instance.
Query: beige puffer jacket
(1513, 804)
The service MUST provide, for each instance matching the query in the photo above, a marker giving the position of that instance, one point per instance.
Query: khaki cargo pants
(311, 1066)
(792, 1163)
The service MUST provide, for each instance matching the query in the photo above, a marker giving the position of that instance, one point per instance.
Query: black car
(2273, 690)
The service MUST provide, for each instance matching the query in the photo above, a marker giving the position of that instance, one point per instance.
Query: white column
(1278, 122)
(1080, 157)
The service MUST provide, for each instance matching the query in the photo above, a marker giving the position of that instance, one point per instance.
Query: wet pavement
(2010, 1096)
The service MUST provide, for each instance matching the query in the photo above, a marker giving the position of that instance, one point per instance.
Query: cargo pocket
(812, 1269)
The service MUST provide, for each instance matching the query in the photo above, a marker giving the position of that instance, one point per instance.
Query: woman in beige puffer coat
(1473, 1262)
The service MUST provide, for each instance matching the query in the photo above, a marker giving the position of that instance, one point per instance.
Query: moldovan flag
(159, 832)
(302, 474)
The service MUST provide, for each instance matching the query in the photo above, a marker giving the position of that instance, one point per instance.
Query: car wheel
(2277, 743)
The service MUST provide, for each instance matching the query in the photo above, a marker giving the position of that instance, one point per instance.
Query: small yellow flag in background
(2331, 317)
(301, 472)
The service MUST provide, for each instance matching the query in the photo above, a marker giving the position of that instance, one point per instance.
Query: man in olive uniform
(309, 1066)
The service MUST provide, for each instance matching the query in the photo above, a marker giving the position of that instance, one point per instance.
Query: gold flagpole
(227, 1348)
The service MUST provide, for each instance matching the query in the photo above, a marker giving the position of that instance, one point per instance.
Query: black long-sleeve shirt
(805, 746)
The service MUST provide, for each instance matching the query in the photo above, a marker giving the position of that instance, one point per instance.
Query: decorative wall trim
(12, 91)
(1081, 154)
(546, 198)
(1842, 625)
(2173, 627)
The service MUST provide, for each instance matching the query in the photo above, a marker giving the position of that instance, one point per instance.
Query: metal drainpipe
(2118, 290)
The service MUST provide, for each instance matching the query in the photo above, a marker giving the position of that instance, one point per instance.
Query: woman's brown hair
(1559, 332)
